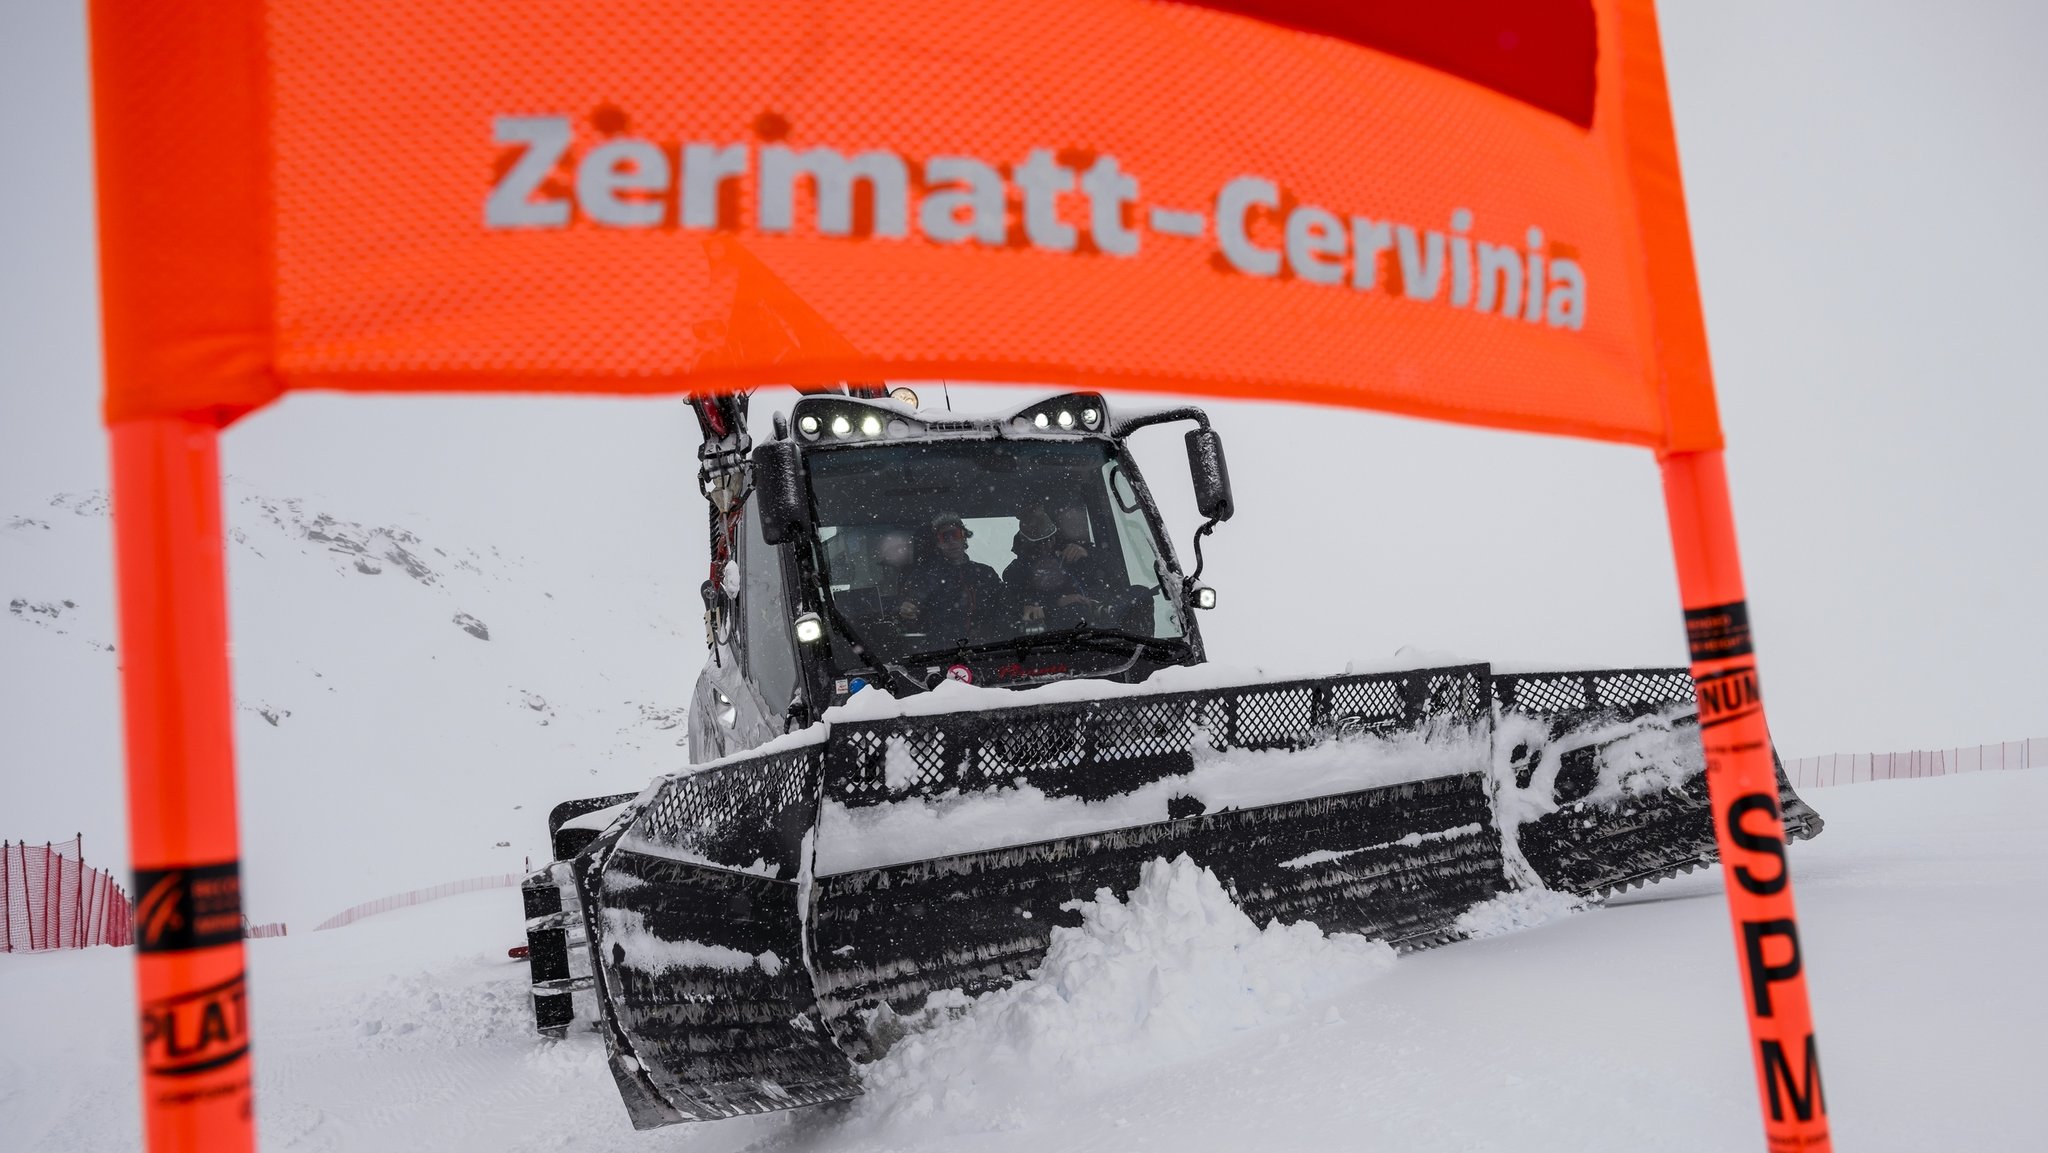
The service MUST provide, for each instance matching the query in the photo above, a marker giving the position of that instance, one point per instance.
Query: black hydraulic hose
(1205, 530)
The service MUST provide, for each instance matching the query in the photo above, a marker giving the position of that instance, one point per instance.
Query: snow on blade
(1323, 856)
(899, 767)
(949, 697)
(1513, 912)
(920, 828)
(1139, 985)
(627, 929)
(1637, 757)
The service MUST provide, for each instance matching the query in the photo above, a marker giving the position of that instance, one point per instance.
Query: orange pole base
(194, 1017)
(1742, 785)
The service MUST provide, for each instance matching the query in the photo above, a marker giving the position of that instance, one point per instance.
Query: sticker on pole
(193, 907)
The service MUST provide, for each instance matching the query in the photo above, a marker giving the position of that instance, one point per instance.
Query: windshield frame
(850, 648)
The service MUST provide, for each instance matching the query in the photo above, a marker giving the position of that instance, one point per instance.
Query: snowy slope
(1616, 1029)
(410, 701)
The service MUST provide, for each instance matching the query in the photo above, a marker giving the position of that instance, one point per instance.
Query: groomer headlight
(904, 396)
(871, 425)
(841, 426)
(809, 629)
(1205, 597)
(1074, 412)
(808, 425)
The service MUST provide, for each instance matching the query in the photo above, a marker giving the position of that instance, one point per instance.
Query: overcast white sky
(1866, 184)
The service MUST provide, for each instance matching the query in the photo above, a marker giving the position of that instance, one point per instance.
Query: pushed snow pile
(1155, 980)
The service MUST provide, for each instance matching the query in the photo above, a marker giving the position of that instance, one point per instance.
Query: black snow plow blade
(753, 928)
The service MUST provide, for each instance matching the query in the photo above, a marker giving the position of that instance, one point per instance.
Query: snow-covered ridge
(409, 701)
(39, 582)
(368, 548)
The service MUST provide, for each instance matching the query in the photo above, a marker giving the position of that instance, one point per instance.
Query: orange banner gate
(1468, 211)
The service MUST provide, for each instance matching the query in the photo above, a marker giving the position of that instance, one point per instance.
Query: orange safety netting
(637, 196)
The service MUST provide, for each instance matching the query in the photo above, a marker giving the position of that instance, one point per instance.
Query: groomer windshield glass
(933, 548)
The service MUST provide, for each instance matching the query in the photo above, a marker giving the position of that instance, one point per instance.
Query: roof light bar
(1076, 412)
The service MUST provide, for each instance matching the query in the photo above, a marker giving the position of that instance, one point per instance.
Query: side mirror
(779, 492)
(1210, 474)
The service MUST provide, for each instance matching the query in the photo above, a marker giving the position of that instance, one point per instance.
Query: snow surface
(1164, 1024)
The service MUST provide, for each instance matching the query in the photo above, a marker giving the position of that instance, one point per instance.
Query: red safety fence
(354, 913)
(273, 929)
(1855, 768)
(51, 899)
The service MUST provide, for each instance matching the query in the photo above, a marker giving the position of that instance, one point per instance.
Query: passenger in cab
(1045, 590)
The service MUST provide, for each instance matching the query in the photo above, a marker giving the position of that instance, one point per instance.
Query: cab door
(745, 692)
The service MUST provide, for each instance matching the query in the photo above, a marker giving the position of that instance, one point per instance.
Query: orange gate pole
(181, 787)
(1743, 787)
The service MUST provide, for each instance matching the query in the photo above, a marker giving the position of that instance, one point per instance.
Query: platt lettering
(197, 1031)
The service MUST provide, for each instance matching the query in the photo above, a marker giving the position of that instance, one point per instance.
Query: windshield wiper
(1117, 638)
(864, 648)
(1019, 645)
(1114, 640)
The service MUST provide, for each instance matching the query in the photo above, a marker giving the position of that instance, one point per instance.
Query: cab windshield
(936, 547)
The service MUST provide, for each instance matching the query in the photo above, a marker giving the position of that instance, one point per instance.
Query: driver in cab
(953, 598)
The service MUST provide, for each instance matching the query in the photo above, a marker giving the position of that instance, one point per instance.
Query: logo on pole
(188, 908)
